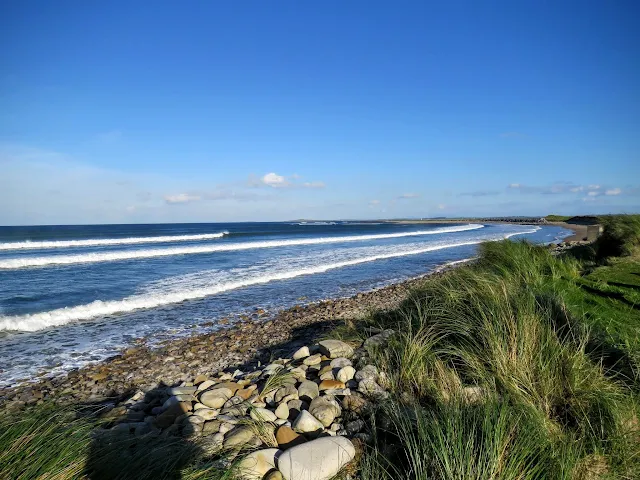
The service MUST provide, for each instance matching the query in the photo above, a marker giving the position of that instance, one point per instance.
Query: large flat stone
(335, 349)
(319, 459)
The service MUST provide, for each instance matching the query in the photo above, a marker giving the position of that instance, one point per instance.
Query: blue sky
(118, 112)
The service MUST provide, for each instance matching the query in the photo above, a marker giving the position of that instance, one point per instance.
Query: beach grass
(524, 365)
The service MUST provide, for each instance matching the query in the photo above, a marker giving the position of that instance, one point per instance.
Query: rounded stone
(262, 414)
(313, 359)
(237, 437)
(307, 423)
(302, 352)
(211, 427)
(308, 390)
(207, 413)
(330, 384)
(335, 349)
(345, 374)
(286, 393)
(216, 398)
(340, 362)
(319, 459)
(287, 438)
(369, 372)
(282, 411)
(256, 465)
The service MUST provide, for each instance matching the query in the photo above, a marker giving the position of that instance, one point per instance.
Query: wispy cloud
(373, 203)
(408, 196)
(480, 193)
(556, 188)
(313, 185)
(613, 191)
(181, 198)
(275, 180)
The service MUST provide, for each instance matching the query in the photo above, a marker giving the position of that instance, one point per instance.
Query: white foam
(61, 316)
(100, 242)
(24, 262)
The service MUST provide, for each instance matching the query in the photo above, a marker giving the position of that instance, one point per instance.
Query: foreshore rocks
(142, 368)
(285, 425)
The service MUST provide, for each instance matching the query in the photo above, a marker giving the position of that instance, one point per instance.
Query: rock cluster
(299, 415)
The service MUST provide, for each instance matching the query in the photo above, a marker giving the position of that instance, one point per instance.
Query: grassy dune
(524, 365)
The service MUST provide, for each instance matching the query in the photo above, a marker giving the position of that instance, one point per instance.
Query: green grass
(552, 345)
(557, 218)
(61, 444)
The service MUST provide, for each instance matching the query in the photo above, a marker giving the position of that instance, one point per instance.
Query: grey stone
(369, 372)
(308, 390)
(340, 362)
(335, 349)
(355, 426)
(379, 340)
(307, 423)
(286, 393)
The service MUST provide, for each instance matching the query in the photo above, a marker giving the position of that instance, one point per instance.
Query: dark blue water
(70, 295)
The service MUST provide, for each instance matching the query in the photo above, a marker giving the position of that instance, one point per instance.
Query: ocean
(71, 295)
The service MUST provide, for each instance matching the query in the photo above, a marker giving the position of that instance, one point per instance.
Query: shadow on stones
(121, 449)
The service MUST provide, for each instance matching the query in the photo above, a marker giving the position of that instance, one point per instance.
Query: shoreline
(247, 342)
(242, 344)
(581, 233)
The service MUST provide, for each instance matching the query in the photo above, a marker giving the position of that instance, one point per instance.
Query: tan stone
(287, 438)
(329, 384)
(199, 379)
(244, 393)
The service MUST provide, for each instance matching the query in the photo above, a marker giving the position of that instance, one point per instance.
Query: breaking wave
(100, 242)
(61, 316)
(94, 257)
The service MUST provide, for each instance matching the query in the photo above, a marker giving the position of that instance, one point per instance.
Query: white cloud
(181, 198)
(593, 194)
(514, 185)
(274, 180)
(409, 195)
(613, 191)
(594, 187)
(442, 206)
(373, 203)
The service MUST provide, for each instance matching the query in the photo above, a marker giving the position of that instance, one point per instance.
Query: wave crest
(99, 242)
(16, 263)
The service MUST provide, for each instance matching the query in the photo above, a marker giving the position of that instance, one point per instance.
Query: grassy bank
(524, 365)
